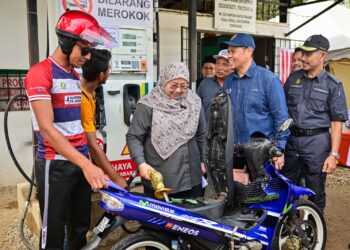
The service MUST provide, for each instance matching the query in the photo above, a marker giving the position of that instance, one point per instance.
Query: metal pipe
(156, 8)
(283, 7)
(33, 45)
(192, 40)
(314, 17)
(32, 24)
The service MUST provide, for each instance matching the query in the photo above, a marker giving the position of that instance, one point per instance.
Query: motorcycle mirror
(286, 124)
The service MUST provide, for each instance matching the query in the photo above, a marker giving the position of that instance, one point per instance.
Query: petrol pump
(131, 76)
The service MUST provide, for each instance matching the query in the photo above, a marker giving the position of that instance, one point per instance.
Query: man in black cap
(316, 102)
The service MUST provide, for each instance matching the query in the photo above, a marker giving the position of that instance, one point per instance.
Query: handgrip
(275, 151)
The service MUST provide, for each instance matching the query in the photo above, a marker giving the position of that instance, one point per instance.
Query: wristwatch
(336, 155)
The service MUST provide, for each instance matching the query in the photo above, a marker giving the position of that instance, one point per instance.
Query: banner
(114, 13)
(235, 15)
(10, 86)
(285, 64)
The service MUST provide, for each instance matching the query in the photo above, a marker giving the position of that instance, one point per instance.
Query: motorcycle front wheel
(312, 223)
(140, 241)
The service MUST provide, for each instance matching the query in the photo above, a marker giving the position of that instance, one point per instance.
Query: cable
(24, 214)
(8, 143)
(14, 159)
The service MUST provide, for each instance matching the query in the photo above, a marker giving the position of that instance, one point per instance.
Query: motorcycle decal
(196, 220)
(287, 209)
(182, 229)
(263, 229)
(199, 220)
(273, 214)
(155, 206)
(262, 235)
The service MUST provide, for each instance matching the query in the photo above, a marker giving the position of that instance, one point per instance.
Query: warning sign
(124, 167)
(81, 5)
(125, 150)
(111, 12)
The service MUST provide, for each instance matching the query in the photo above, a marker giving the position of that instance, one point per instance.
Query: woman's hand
(204, 170)
(278, 162)
(145, 170)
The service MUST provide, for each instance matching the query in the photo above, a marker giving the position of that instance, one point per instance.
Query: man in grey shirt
(210, 86)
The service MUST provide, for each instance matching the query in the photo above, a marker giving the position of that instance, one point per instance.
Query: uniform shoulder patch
(331, 76)
(295, 77)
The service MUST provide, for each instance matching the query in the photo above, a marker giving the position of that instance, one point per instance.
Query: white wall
(170, 23)
(20, 134)
(14, 33)
(14, 55)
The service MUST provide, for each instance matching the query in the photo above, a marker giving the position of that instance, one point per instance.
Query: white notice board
(235, 15)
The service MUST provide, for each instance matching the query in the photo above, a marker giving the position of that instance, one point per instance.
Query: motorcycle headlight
(112, 202)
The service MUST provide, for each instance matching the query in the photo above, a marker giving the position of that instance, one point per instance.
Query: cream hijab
(174, 121)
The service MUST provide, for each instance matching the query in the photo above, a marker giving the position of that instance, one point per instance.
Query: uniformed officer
(316, 102)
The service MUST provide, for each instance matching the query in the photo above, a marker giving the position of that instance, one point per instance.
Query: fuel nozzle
(158, 185)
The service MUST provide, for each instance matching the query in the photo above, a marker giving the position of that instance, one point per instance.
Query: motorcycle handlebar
(274, 151)
(240, 148)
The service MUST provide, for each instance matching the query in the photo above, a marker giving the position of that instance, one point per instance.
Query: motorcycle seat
(213, 208)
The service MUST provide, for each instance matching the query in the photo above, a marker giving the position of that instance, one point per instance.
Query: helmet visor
(98, 38)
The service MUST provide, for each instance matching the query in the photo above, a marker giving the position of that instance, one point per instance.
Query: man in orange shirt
(95, 73)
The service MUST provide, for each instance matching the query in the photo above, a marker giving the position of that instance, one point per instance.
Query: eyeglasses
(85, 50)
(174, 87)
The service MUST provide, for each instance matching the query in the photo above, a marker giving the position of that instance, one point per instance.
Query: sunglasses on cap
(85, 50)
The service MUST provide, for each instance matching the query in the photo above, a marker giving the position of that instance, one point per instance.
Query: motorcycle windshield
(99, 38)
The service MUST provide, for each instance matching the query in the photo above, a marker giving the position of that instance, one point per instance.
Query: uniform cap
(315, 42)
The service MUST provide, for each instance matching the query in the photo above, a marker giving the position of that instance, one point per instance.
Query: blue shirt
(208, 88)
(315, 102)
(258, 104)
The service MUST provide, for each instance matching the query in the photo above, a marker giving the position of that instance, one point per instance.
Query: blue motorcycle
(267, 213)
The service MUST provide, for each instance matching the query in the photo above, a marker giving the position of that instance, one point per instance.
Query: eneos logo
(181, 229)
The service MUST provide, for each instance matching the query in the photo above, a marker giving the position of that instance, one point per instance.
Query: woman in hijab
(167, 133)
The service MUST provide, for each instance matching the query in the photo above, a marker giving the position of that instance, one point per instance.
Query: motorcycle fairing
(218, 147)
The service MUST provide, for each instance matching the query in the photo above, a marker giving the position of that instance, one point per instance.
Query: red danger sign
(124, 167)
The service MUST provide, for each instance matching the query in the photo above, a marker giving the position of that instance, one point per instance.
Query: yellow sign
(125, 150)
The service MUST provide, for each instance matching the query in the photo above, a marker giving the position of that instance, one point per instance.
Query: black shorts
(65, 202)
